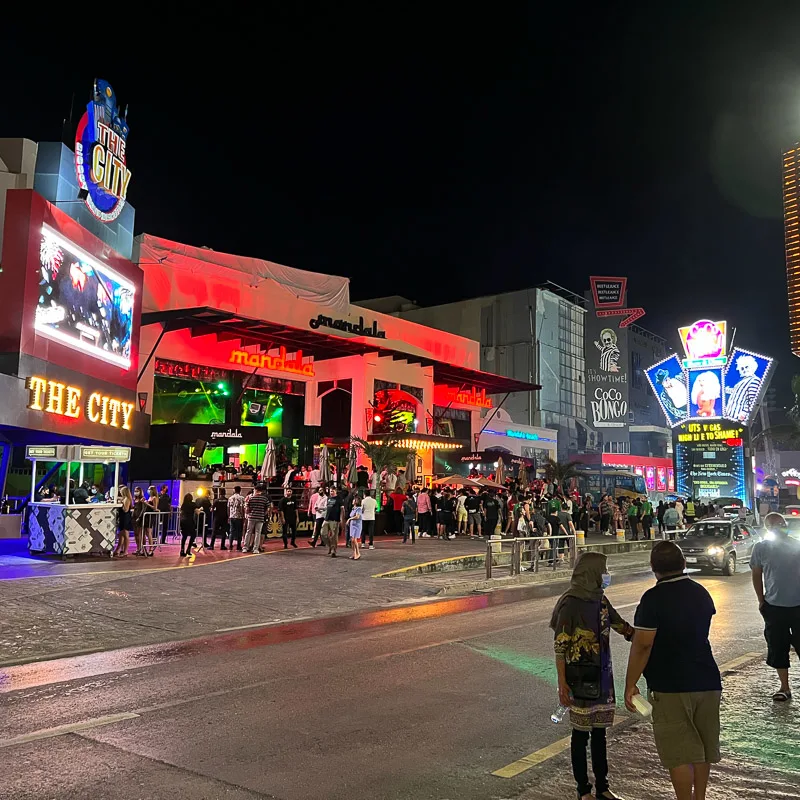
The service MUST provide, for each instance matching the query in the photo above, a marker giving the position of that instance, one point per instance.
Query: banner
(607, 369)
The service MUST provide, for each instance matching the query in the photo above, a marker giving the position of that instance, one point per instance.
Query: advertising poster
(607, 367)
(710, 470)
(745, 383)
(705, 393)
(661, 479)
(650, 478)
(668, 382)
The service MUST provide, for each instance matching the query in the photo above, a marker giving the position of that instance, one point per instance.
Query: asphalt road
(423, 710)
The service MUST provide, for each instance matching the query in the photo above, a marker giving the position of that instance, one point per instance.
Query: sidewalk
(53, 608)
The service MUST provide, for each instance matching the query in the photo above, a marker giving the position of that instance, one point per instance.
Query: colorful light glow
(444, 395)
(279, 363)
(704, 339)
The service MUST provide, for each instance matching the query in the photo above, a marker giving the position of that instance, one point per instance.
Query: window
(636, 371)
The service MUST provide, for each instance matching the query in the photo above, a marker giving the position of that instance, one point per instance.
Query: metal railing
(537, 548)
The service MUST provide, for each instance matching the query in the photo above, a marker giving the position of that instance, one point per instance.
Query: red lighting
(733, 442)
(377, 418)
(795, 513)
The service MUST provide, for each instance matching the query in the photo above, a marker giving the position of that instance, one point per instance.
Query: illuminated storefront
(709, 399)
(266, 351)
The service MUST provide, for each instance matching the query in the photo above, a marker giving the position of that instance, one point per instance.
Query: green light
(226, 393)
(220, 386)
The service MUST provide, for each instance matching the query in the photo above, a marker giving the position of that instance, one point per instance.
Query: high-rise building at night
(791, 196)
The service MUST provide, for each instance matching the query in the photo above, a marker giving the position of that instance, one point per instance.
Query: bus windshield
(614, 482)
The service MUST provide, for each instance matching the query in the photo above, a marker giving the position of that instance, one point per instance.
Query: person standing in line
(647, 516)
(188, 522)
(125, 523)
(775, 571)
(672, 649)
(582, 621)
(236, 517)
(319, 506)
(473, 505)
(354, 521)
(461, 512)
(424, 509)
(164, 508)
(220, 529)
(288, 509)
(491, 510)
(660, 511)
(369, 506)
(256, 508)
(138, 520)
(333, 518)
(409, 511)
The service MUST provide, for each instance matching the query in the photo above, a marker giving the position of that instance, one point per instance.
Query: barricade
(537, 548)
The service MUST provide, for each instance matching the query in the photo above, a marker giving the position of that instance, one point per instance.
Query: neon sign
(711, 432)
(704, 343)
(100, 154)
(53, 397)
(279, 363)
(445, 395)
(522, 435)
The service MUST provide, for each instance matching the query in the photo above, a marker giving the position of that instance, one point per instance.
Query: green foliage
(560, 471)
(386, 454)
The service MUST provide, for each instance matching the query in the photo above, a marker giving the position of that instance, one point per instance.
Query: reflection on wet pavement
(760, 750)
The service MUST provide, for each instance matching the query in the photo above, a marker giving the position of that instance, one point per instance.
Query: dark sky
(441, 153)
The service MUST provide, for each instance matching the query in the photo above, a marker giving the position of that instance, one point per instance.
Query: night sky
(446, 153)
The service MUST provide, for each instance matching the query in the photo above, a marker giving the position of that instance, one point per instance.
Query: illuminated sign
(704, 343)
(710, 432)
(349, 327)
(791, 473)
(523, 435)
(41, 451)
(101, 142)
(705, 393)
(609, 300)
(445, 395)
(82, 303)
(744, 381)
(668, 381)
(97, 454)
(53, 397)
(228, 434)
(279, 363)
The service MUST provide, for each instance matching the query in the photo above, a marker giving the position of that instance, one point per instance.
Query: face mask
(606, 580)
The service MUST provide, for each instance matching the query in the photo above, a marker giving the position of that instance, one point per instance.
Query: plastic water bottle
(559, 714)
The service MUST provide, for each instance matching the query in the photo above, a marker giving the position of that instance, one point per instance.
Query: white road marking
(62, 730)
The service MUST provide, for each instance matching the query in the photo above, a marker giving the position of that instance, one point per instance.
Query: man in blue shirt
(671, 647)
(775, 569)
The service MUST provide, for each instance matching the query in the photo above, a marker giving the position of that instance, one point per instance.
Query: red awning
(227, 326)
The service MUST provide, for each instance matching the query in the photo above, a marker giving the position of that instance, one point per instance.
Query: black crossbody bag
(584, 681)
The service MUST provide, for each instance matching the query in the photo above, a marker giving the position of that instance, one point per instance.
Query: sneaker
(425, 536)
(372, 547)
(451, 536)
(333, 555)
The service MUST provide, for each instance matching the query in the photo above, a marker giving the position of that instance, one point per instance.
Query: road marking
(539, 756)
(730, 666)
(62, 730)
(415, 567)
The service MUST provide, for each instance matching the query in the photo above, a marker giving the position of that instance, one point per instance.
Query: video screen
(711, 469)
(82, 303)
(186, 401)
(264, 409)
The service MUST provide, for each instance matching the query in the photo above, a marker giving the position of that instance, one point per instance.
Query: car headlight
(715, 551)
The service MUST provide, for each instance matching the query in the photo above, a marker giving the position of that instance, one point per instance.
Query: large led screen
(83, 303)
(705, 393)
(711, 469)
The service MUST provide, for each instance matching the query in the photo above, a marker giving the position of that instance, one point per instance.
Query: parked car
(718, 543)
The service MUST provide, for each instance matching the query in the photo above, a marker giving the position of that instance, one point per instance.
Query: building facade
(791, 194)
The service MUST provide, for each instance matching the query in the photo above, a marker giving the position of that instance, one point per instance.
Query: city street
(424, 710)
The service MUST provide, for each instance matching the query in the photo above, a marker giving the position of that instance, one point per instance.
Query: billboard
(607, 364)
(668, 382)
(705, 393)
(745, 383)
(83, 303)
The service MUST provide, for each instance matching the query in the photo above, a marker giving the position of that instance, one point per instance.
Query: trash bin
(620, 535)
(497, 547)
(580, 538)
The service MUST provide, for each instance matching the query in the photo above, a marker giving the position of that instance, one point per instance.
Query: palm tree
(559, 472)
(383, 454)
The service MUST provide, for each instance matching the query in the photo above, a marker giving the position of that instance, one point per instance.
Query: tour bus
(616, 482)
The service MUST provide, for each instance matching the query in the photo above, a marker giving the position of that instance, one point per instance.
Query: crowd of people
(670, 647)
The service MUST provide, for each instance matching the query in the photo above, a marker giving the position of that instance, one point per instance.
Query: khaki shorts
(686, 727)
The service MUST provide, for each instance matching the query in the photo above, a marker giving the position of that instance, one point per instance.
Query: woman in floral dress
(582, 621)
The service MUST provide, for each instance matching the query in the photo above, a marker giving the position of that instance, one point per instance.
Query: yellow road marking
(401, 570)
(556, 748)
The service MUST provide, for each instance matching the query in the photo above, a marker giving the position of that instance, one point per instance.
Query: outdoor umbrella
(523, 476)
(352, 477)
(487, 482)
(324, 465)
(268, 467)
(500, 472)
(455, 480)
(411, 468)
